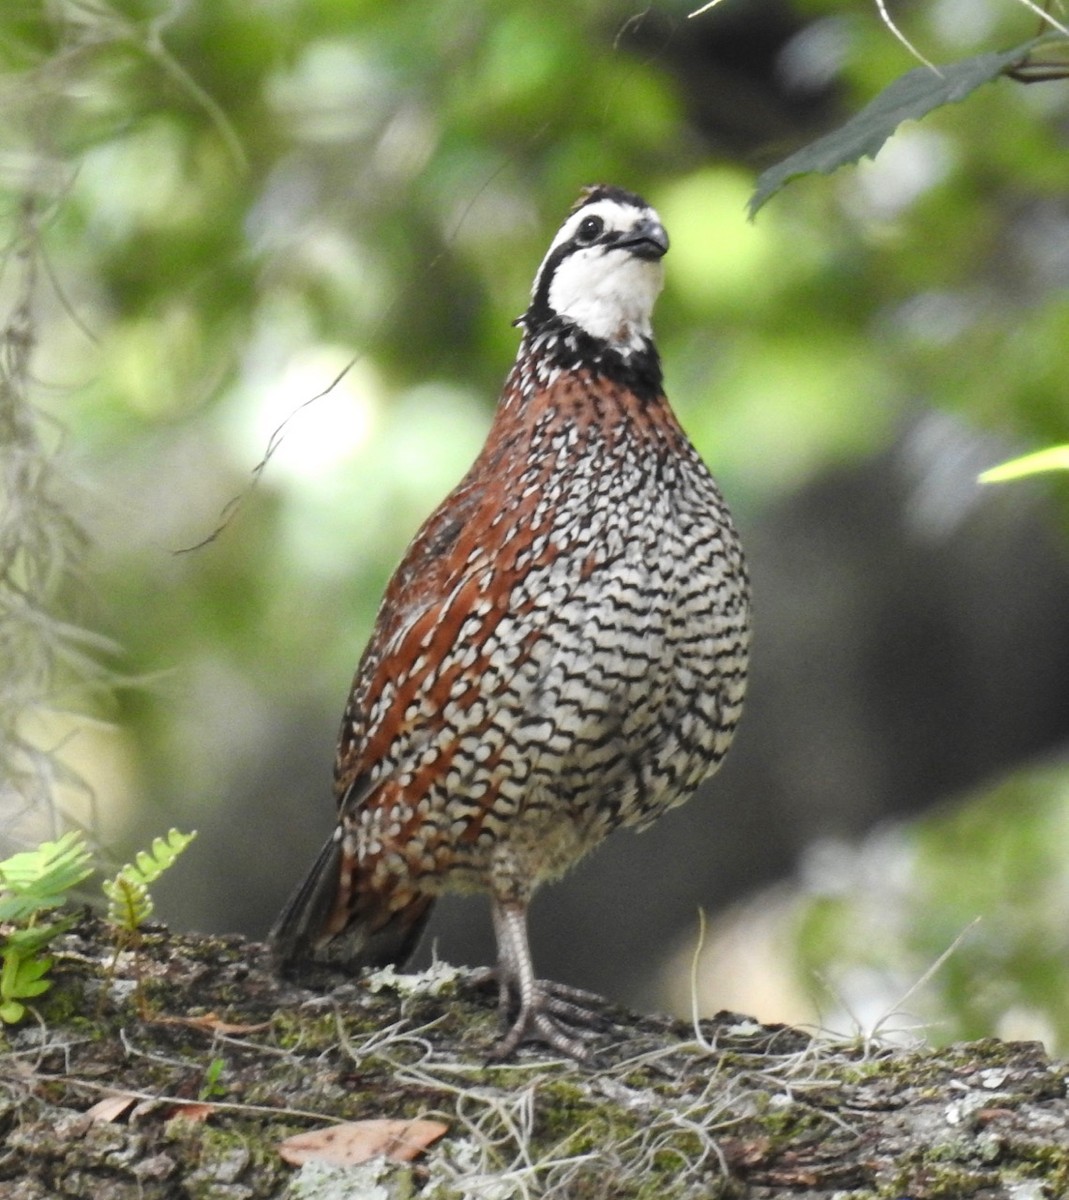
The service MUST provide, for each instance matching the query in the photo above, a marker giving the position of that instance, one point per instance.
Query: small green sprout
(129, 902)
(211, 1088)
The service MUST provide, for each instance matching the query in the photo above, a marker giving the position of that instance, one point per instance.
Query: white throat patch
(608, 293)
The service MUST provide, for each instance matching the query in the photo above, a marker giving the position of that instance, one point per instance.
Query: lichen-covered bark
(222, 1061)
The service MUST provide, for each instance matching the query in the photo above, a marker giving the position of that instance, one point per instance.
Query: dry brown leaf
(111, 1108)
(191, 1112)
(357, 1141)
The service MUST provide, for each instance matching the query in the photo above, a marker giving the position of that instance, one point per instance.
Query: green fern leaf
(36, 880)
(150, 864)
(129, 902)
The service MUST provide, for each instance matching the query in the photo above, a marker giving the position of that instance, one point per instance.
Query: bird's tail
(331, 919)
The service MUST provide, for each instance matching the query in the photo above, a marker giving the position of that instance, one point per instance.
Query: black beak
(648, 239)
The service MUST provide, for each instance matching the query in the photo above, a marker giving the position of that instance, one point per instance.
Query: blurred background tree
(225, 206)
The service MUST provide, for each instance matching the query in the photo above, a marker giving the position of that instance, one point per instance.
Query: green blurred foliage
(987, 881)
(238, 200)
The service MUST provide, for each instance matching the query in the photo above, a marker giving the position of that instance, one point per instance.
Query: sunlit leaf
(38, 879)
(1053, 458)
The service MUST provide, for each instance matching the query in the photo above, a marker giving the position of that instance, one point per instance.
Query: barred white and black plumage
(563, 649)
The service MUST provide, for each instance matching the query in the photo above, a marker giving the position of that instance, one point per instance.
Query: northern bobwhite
(562, 650)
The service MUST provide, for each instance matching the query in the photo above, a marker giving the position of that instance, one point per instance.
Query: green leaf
(47, 861)
(35, 880)
(9, 973)
(150, 864)
(211, 1087)
(20, 907)
(27, 942)
(909, 98)
(21, 978)
(130, 903)
(34, 988)
(1053, 458)
(11, 1012)
(28, 975)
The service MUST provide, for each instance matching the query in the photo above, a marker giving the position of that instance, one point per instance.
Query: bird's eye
(589, 228)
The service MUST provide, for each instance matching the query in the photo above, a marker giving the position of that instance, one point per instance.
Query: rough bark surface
(219, 1062)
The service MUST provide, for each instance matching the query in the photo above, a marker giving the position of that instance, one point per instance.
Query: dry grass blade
(885, 16)
(1044, 14)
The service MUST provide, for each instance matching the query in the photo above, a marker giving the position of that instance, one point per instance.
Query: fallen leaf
(191, 1112)
(357, 1141)
(111, 1108)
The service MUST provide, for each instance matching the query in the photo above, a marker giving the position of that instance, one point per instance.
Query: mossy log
(211, 1062)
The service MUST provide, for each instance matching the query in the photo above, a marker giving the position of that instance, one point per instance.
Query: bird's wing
(439, 670)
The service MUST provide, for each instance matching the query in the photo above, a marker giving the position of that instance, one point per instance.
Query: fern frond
(35, 880)
(150, 864)
(129, 902)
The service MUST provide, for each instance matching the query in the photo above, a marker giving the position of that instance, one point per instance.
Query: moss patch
(232, 1061)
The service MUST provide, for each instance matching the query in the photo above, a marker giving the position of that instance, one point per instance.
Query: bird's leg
(542, 1006)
